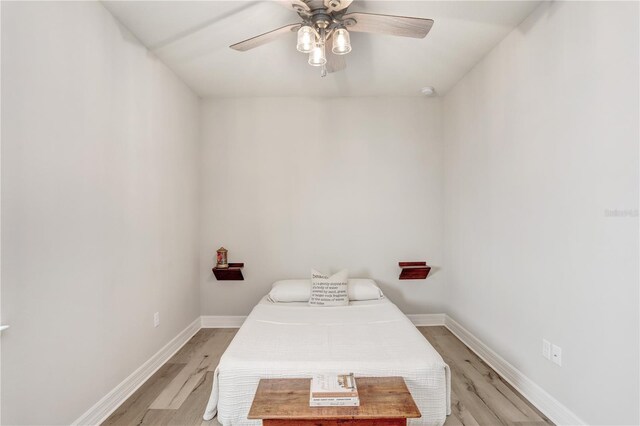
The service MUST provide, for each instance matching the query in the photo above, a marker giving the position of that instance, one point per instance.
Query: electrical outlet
(546, 349)
(556, 355)
(156, 319)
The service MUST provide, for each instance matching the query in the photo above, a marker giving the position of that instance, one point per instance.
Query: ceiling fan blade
(403, 26)
(265, 38)
(297, 6)
(335, 62)
(336, 5)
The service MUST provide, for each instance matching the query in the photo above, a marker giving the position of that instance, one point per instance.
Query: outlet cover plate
(546, 349)
(556, 355)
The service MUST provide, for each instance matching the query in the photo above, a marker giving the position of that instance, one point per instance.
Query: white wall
(102, 178)
(541, 140)
(99, 208)
(289, 184)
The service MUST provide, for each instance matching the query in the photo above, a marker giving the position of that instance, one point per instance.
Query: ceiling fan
(325, 21)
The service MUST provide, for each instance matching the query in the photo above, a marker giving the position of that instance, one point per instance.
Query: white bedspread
(372, 338)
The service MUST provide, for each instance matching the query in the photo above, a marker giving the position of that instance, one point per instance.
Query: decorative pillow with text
(329, 291)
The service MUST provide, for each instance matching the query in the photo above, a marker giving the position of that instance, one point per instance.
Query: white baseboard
(421, 320)
(108, 404)
(222, 321)
(547, 404)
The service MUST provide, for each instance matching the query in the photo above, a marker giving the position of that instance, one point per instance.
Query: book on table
(334, 390)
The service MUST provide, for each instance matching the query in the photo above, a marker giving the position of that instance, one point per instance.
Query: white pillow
(364, 289)
(285, 291)
(290, 291)
(331, 291)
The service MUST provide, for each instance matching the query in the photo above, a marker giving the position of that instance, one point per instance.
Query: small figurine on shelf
(221, 262)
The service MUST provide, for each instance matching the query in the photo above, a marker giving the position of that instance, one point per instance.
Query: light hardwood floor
(178, 393)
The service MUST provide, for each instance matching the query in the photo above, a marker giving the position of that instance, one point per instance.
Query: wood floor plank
(432, 331)
(202, 359)
(465, 387)
(132, 411)
(500, 397)
(501, 406)
(184, 355)
(471, 401)
(178, 393)
(459, 413)
(225, 336)
(541, 423)
(157, 417)
(190, 412)
(502, 385)
(499, 384)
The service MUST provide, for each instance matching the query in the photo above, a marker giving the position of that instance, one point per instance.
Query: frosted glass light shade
(317, 57)
(341, 42)
(306, 39)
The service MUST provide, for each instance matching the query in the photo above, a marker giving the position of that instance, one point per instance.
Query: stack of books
(334, 390)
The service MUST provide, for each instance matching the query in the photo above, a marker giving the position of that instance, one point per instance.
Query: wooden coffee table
(384, 401)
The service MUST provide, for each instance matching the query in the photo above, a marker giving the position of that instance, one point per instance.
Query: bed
(368, 338)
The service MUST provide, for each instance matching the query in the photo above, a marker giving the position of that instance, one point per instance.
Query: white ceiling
(192, 38)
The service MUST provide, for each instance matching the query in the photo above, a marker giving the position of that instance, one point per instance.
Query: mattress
(369, 338)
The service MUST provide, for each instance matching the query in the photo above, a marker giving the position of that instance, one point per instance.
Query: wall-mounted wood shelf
(414, 270)
(232, 273)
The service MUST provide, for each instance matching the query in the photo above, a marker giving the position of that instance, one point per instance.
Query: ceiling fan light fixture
(306, 39)
(341, 42)
(317, 57)
(328, 20)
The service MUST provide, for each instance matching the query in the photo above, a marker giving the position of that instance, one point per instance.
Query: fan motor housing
(321, 19)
